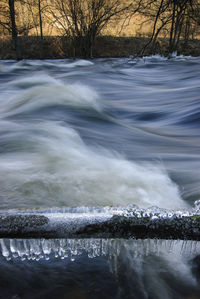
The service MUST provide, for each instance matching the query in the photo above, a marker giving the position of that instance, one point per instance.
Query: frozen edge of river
(100, 223)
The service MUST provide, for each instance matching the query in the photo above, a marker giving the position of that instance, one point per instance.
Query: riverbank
(54, 47)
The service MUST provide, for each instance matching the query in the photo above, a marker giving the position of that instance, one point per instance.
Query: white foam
(160, 58)
(30, 81)
(58, 169)
(44, 91)
(80, 62)
(155, 57)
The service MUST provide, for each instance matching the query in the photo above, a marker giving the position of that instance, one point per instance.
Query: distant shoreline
(56, 47)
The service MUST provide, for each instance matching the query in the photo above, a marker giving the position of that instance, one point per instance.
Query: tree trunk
(171, 38)
(41, 29)
(14, 28)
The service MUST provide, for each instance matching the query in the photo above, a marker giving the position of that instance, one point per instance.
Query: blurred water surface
(102, 132)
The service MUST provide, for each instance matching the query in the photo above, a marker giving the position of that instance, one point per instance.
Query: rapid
(104, 132)
(100, 135)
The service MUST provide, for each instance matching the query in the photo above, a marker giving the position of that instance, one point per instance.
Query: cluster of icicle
(37, 249)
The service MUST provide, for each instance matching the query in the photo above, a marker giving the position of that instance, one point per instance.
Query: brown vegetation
(105, 46)
(97, 28)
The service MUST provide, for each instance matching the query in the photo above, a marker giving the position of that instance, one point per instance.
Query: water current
(100, 132)
(96, 133)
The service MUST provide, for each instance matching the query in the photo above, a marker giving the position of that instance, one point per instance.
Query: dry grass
(32, 47)
(105, 46)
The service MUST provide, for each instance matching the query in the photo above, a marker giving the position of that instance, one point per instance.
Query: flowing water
(105, 132)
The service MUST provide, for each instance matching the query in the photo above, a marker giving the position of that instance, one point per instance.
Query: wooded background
(80, 22)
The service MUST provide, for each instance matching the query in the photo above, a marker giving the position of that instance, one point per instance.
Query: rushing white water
(119, 135)
(59, 169)
(44, 91)
(82, 133)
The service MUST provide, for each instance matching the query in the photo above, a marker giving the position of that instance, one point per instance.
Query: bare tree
(83, 20)
(176, 17)
(14, 27)
(178, 13)
(40, 18)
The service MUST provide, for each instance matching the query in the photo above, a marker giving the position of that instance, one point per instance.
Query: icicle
(4, 251)
(37, 249)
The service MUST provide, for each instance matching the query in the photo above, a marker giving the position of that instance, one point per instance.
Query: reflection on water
(92, 268)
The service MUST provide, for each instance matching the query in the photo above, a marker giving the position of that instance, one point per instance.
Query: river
(120, 132)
